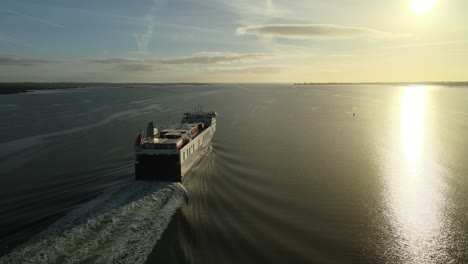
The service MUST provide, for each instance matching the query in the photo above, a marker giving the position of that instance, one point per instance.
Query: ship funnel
(150, 131)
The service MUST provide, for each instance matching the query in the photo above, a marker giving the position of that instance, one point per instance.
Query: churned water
(295, 174)
(120, 226)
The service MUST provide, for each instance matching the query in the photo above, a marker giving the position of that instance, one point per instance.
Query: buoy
(354, 114)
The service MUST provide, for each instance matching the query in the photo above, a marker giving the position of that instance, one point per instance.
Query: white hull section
(194, 151)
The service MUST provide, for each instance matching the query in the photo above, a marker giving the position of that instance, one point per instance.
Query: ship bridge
(199, 117)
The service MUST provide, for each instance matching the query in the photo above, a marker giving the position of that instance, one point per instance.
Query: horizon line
(293, 83)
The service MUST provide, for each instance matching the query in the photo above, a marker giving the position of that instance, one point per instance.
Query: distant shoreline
(19, 87)
(385, 83)
(25, 87)
(16, 88)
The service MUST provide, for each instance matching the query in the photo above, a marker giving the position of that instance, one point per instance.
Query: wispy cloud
(255, 12)
(143, 40)
(195, 59)
(116, 60)
(41, 20)
(8, 39)
(313, 31)
(256, 69)
(138, 67)
(10, 60)
(213, 57)
(428, 44)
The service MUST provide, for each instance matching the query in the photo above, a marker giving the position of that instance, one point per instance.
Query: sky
(240, 41)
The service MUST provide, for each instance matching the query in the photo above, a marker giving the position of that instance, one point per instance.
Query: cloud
(257, 69)
(116, 60)
(195, 59)
(8, 39)
(41, 20)
(11, 40)
(249, 12)
(429, 44)
(8, 60)
(138, 67)
(213, 57)
(144, 39)
(128, 64)
(313, 31)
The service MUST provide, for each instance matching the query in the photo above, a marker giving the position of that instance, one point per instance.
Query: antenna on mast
(199, 108)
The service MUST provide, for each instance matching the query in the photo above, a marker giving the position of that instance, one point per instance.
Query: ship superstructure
(167, 152)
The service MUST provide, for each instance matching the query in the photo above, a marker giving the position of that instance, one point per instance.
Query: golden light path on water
(414, 190)
(412, 128)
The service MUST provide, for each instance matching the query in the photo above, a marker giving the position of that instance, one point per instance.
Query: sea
(294, 174)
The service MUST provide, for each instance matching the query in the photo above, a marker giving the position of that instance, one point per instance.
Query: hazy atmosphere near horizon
(233, 41)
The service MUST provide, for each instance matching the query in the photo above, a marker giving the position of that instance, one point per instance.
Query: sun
(422, 6)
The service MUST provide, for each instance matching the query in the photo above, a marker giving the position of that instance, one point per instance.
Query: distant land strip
(24, 87)
(463, 83)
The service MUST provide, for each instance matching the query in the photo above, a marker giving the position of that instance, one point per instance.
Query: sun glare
(412, 117)
(422, 6)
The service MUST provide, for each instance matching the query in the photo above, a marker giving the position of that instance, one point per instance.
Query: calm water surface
(291, 176)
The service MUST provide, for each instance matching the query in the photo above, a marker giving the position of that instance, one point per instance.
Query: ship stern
(158, 168)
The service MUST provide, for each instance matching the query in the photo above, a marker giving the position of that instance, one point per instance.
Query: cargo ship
(167, 152)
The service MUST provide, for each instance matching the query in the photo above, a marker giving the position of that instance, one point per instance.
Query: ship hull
(158, 168)
(173, 166)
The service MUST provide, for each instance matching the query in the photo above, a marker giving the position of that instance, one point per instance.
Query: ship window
(184, 156)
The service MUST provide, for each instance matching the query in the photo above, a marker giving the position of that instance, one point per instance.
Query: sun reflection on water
(412, 123)
(414, 191)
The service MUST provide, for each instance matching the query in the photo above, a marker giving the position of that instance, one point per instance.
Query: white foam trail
(119, 226)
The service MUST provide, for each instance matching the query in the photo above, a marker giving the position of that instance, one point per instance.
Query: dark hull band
(158, 168)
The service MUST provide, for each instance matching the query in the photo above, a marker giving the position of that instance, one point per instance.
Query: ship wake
(119, 226)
